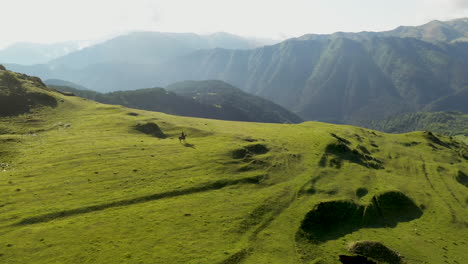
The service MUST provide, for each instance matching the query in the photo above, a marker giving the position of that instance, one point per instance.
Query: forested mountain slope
(207, 99)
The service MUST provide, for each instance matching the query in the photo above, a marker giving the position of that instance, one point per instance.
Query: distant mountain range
(340, 78)
(448, 123)
(206, 99)
(36, 53)
(58, 82)
(127, 62)
(343, 77)
(434, 31)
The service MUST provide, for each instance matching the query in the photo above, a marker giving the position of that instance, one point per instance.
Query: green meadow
(83, 183)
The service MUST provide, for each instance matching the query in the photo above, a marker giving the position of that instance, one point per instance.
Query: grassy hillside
(20, 93)
(80, 183)
(207, 99)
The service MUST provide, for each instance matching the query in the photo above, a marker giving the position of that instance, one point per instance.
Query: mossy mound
(361, 192)
(150, 129)
(334, 219)
(375, 250)
(330, 220)
(250, 150)
(339, 151)
(390, 208)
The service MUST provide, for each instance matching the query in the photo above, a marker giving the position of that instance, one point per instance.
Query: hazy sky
(48, 21)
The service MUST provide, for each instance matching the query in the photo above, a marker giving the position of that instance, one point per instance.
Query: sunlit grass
(222, 209)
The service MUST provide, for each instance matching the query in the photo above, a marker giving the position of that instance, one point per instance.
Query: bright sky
(47, 21)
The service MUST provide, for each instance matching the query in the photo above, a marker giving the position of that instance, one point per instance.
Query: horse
(182, 137)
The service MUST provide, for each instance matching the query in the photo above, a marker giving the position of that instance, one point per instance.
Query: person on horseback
(182, 136)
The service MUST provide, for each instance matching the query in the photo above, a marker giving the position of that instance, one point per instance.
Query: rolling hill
(206, 99)
(84, 182)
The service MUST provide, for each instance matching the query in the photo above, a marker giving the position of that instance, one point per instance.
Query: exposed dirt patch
(150, 129)
(334, 219)
(375, 250)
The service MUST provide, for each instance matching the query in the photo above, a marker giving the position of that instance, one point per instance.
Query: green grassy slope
(79, 184)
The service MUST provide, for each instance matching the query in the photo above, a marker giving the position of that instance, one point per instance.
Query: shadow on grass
(188, 145)
(88, 209)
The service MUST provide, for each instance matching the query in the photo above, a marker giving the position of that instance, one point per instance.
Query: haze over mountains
(340, 78)
(126, 62)
(35, 53)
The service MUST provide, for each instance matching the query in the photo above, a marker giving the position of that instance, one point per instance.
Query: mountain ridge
(203, 99)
